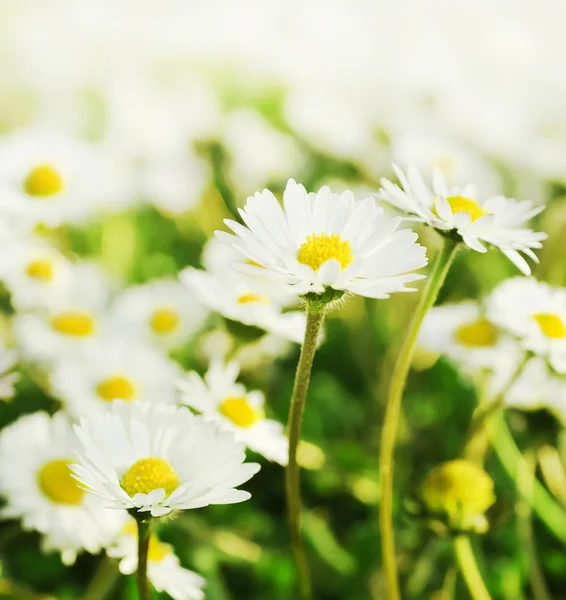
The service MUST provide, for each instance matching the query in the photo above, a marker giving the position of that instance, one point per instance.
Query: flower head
(219, 397)
(153, 458)
(494, 220)
(322, 241)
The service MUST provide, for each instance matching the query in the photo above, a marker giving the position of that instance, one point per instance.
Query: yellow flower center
(251, 298)
(164, 321)
(480, 333)
(239, 411)
(157, 550)
(55, 482)
(148, 474)
(41, 269)
(317, 249)
(551, 325)
(43, 181)
(116, 388)
(467, 205)
(76, 324)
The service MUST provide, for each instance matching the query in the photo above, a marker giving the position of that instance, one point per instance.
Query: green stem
(292, 472)
(440, 269)
(144, 532)
(469, 568)
(548, 510)
(103, 581)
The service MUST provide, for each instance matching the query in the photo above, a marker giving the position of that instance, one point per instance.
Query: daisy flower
(163, 312)
(36, 481)
(494, 220)
(325, 240)
(463, 333)
(156, 459)
(220, 398)
(113, 368)
(53, 179)
(163, 568)
(534, 312)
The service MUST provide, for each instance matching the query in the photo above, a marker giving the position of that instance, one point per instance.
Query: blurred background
(197, 105)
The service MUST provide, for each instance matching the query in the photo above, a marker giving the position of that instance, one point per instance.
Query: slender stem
(292, 473)
(548, 510)
(440, 269)
(469, 568)
(103, 581)
(144, 531)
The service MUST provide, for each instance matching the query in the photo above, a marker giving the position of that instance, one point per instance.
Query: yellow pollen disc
(157, 550)
(41, 269)
(116, 387)
(480, 333)
(43, 181)
(551, 325)
(76, 324)
(239, 411)
(164, 321)
(317, 249)
(55, 482)
(251, 298)
(148, 474)
(467, 205)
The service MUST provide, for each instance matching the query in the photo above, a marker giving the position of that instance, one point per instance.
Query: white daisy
(36, 481)
(53, 179)
(154, 458)
(163, 311)
(113, 368)
(163, 568)
(494, 220)
(325, 240)
(237, 299)
(535, 312)
(219, 397)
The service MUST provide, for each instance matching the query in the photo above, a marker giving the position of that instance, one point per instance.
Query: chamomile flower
(218, 396)
(53, 179)
(113, 368)
(163, 568)
(493, 220)
(36, 481)
(463, 333)
(534, 312)
(325, 240)
(163, 312)
(154, 458)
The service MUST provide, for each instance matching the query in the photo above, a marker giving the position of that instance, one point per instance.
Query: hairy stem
(292, 472)
(440, 269)
(144, 531)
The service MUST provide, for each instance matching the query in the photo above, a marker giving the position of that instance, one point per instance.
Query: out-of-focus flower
(458, 493)
(535, 312)
(8, 360)
(163, 312)
(325, 240)
(113, 368)
(494, 220)
(154, 458)
(220, 398)
(163, 568)
(51, 179)
(35, 479)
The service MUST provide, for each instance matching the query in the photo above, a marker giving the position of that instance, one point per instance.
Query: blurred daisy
(33, 272)
(535, 312)
(113, 368)
(8, 360)
(494, 220)
(70, 320)
(156, 459)
(464, 334)
(36, 481)
(163, 311)
(219, 397)
(163, 568)
(326, 240)
(52, 179)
